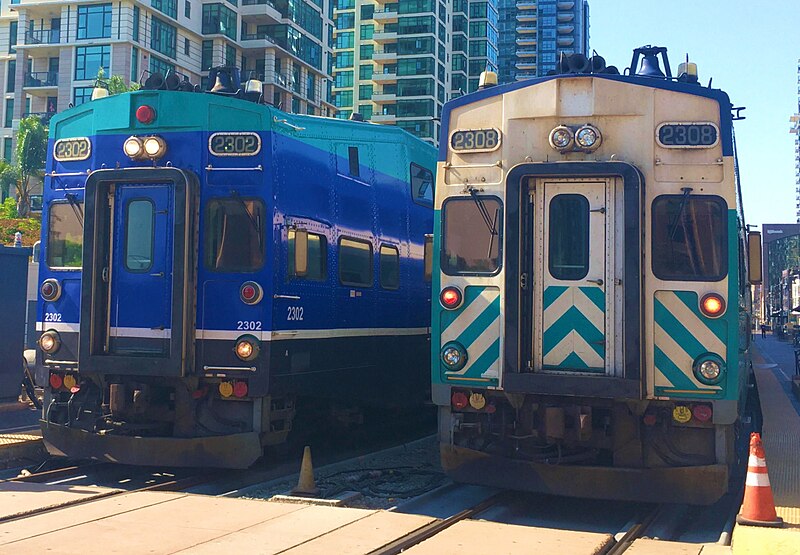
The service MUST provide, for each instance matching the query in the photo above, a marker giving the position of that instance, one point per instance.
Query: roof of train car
(190, 111)
(652, 82)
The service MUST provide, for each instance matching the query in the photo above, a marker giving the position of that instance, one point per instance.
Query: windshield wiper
(253, 220)
(674, 228)
(76, 207)
(491, 223)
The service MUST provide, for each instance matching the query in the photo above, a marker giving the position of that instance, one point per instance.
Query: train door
(140, 269)
(574, 275)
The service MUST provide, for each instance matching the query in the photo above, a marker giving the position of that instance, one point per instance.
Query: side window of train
(390, 267)
(355, 262)
(233, 237)
(471, 235)
(65, 235)
(690, 238)
(317, 257)
(421, 185)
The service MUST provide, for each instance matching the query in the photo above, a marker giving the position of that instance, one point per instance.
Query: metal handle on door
(596, 281)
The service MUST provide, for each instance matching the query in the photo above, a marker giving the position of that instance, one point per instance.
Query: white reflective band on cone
(757, 479)
(756, 461)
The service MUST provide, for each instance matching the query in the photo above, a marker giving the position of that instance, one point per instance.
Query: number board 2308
(475, 140)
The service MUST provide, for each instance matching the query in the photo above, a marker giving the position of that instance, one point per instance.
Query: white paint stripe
(145, 333)
(558, 307)
(587, 354)
(480, 345)
(58, 326)
(758, 480)
(678, 356)
(561, 351)
(587, 307)
(692, 322)
(469, 314)
(756, 461)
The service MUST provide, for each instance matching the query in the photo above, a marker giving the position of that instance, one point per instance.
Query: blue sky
(750, 48)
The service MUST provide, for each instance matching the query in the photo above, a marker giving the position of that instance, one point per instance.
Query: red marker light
(649, 419)
(251, 292)
(145, 114)
(240, 389)
(712, 305)
(450, 297)
(56, 381)
(702, 413)
(459, 400)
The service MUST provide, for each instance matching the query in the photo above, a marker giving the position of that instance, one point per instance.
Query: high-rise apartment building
(795, 129)
(51, 51)
(399, 62)
(534, 32)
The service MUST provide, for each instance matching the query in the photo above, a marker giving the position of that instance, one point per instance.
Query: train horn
(597, 63)
(154, 82)
(172, 81)
(578, 63)
(611, 70)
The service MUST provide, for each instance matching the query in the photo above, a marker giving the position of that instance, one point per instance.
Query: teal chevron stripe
(479, 324)
(487, 358)
(471, 295)
(552, 293)
(573, 361)
(677, 331)
(716, 325)
(674, 374)
(571, 320)
(596, 295)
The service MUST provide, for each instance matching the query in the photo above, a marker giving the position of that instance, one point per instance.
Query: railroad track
(636, 529)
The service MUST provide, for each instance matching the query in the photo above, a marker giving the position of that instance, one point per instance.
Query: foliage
(115, 83)
(31, 229)
(8, 177)
(30, 158)
(8, 209)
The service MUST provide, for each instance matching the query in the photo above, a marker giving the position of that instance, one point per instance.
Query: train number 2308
(294, 313)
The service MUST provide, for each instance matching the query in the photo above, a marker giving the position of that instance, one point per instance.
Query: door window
(139, 235)
(568, 231)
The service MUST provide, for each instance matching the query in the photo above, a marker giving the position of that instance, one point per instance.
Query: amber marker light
(712, 305)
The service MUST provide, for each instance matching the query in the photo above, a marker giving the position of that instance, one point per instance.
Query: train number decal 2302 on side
(77, 148)
(475, 140)
(234, 144)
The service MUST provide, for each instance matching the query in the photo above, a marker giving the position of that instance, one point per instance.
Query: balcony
(526, 5)
(43, 36)
(384, 56)
(527, 41)
(384, 77)
(525, 30)
(260, 8)
(388, 15)
(526, 53)
(526, 16)
(565, 29)
(565, 41)
(41, 79)
(385, 37)
(525, 75)
(565, 17)
(384, 118)
(526, 65)
(257, 40)
(382, 97)
(565, 5)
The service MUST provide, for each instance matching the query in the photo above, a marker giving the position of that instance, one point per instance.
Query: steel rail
(636, 531)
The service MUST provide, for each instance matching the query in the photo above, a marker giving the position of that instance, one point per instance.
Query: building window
(365, 71)
(94, 22)
(186, 46)
(343, 79)
(134, 64)
(219, 19)
(9, 112)
(366, 32)
(207, 58)
(366, 111)
(344, 59)
(8, 153)
(311, 89)
(343, 99)
(187, 9)
(163, 38)
(81, 95)
(157, 65)
(12, 35)
(89, 60)
(11, 81)
(168, 7)
(364, 92)
(355, 262)
(230, 55)
(136, 16)
(389, 267)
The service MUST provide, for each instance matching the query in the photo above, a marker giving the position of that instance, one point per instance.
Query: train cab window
(234, 235)
(690, 238)
(352, 155)
(390, 267)
(355, 262)
(472, 234)
(140, 221)
(65, 235)
(421, 185)
(568, 234)
(317, 256)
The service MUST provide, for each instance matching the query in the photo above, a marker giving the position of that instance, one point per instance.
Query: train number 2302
(248, 325)
(294, 313)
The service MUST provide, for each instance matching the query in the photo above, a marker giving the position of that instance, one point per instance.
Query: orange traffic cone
(758, 508)
(305, 482)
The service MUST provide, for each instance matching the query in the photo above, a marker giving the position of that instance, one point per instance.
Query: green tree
(115, 84)
(8, 178)
(29, 157)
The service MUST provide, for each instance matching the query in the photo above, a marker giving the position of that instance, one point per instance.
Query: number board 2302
(475, 140)
(76, 148)
(243, 143)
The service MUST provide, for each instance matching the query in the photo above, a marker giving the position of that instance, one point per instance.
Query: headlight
(709, 368)
(50, 341)
(155, 147)
(454, 356)
(133, 148)
(588, 137)
(247, 347)
(561, 137)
